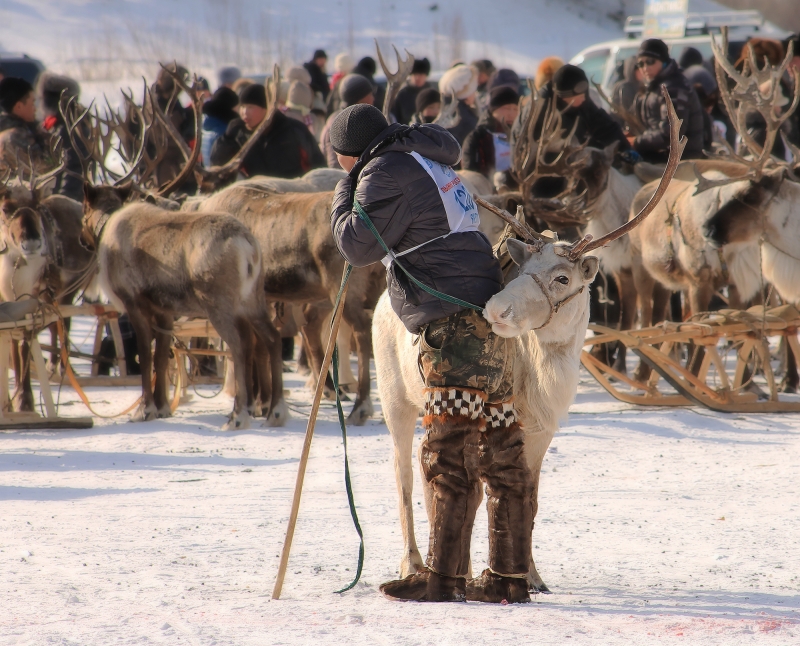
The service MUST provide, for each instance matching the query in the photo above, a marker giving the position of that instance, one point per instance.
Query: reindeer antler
(745, 97)
(676, 146)
(197, 110)
(394, 81)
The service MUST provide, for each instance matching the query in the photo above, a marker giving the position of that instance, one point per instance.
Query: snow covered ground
(654, 526)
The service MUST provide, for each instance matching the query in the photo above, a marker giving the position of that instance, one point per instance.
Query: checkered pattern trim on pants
(455, 402)
(500, 415)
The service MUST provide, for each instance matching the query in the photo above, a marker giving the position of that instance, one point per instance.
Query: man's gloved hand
(630, 156)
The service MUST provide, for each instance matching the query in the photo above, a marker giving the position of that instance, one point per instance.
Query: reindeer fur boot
(449, 457)
(509, 493)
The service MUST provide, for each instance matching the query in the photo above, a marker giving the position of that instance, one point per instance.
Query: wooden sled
(735, 346)
(17, 319)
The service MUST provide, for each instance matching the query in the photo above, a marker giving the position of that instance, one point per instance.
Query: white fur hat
(298, 74)
(343, 63)
(461, 80)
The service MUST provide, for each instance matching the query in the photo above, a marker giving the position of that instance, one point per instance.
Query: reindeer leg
(627, 299)
(140, 321)
(791, 380)
(269, 346)
(536, 445)
(357, 317)
(163, 337)
(401, 418)
(23, 397)
(315, 317)
(238, 334)
(645, 290)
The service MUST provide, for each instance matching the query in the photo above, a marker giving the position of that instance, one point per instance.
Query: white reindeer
(546, 308)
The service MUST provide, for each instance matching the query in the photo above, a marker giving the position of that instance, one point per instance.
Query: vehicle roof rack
(705, 23)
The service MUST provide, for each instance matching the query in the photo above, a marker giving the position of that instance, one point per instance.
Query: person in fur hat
(402, 177)
(547, 68)
(51, 89)
(405, 104)
(20, 137)
(460, 83)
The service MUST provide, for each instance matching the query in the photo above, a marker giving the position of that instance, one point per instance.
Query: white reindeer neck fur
(611, 212)
(547, 366)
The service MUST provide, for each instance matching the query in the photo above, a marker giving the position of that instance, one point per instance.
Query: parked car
(603, 62)
(21, 66)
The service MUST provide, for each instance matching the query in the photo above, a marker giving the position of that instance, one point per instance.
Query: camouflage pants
(467, 369)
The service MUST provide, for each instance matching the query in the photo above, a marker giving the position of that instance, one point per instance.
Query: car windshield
(594, 64)
(21, 69)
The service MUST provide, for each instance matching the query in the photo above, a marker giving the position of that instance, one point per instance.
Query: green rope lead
(340, 413)
(440, 295)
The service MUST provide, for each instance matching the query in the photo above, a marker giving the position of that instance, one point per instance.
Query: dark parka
(319, 80)
(479, 146)
(466, 122)
(649, 105)
(405, 105)
(404, 204)
(287, 150)
(595, 125)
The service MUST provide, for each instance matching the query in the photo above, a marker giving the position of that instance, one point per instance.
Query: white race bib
(502, 151)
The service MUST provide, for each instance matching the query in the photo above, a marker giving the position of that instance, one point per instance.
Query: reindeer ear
(519, 251)
(611, 151)
(589, 267)
(89, 193)
(124, 191)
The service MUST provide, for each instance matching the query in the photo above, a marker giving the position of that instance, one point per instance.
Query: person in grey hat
(227, 76)
(353, 89)
(402, 178)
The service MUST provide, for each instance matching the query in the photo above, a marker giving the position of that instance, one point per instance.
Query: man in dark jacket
(287, 149)
(401, 178)
(659, 69)
(50, 88)
(19, 135)
(405, 105)
(319, 78)
(487, 149)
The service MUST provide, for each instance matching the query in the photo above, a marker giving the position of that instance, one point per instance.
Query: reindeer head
(741, 215)
(550, 290)
(99, 202)
(21, 229)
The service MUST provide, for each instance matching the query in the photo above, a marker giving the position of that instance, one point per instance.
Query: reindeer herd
(227, 252)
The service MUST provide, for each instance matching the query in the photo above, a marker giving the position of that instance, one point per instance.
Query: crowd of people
(485, 109)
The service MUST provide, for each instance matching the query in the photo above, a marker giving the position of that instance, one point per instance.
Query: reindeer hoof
(278, 416)
(23, 402)
(239, 422)
(362, 411)
(788, 387)
(145, 414)
(164, 411)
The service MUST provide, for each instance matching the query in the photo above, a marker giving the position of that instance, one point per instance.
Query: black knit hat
(319, 53)
(502, 96)
(690, 56)
(353, 88)
(253, 94)
(355, 128)
(421, 66)
(221, 105)
(13, 90)
(654, 48)
(569, 81)
(366, 65)
(427, 97)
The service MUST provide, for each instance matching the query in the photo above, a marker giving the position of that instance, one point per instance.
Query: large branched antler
(676, 146)
(394, 81)
(746, 97)
(530, 162)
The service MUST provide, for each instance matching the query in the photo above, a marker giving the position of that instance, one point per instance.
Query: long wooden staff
(312, 420)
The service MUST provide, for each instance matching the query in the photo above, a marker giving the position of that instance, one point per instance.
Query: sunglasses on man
(646, 62)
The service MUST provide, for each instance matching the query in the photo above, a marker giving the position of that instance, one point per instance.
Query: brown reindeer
(41, 257)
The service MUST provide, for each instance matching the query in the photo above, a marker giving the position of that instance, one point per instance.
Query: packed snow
(654, 526)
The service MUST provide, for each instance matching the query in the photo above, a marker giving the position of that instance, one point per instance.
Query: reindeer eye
(563, 280)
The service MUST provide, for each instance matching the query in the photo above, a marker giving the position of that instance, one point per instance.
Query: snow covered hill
(101, 40)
